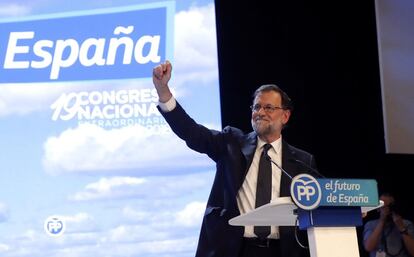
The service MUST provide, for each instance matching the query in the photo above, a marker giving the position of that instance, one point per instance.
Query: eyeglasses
(267, 108)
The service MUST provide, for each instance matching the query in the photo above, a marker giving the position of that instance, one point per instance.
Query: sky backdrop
(122, 190)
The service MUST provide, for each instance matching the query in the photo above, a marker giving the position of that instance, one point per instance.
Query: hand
(398, 221)
(161, 74)
(384, 213)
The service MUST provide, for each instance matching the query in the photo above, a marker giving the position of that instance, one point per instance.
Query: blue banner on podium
(309, 193)
(348, 192)
(332, 202)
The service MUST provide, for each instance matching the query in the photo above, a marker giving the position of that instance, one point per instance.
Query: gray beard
(263, 131)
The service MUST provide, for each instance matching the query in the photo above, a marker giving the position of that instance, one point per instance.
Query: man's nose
(261, 111)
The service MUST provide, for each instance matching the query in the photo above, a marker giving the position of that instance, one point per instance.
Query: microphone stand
(308, 167)
(284, 171)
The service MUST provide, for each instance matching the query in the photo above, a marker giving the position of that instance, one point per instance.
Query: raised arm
(197, 137)
(372, 240)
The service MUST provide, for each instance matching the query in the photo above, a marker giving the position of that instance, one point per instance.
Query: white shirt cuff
(169, 105)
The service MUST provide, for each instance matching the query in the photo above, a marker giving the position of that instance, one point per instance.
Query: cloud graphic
(90, 148)
(191, 215)
(4, 213)
(13, 9)
(164, 217)
(179, 222)
(148, 188)
(81, 223)
(160, 234)
(195, 46)
(4, 248)
(23, 99)
(114, 187)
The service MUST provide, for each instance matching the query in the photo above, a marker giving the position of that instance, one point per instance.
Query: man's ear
(286, 116)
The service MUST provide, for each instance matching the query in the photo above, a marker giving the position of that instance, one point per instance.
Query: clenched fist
(161, 74)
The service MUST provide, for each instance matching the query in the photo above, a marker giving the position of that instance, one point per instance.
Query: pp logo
(54, 226)
(305, 191)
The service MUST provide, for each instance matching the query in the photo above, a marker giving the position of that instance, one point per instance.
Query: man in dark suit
(239, 159)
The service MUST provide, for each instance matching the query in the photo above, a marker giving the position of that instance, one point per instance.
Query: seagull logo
(305, 191)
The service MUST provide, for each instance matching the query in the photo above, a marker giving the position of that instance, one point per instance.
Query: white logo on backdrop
(115, 108)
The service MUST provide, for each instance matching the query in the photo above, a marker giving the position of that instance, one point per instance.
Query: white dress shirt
(169, 105)
(246, 198)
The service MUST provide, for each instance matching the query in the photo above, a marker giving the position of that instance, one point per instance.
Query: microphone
(294, 211)
(284, 171)
(308, 167)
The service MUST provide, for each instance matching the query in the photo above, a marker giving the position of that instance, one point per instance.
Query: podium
(331, 230)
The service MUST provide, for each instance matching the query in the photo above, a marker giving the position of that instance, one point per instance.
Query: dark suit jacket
(233, 151)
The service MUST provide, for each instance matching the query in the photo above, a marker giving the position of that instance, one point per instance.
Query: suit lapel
(248, 147)
(287, 154)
